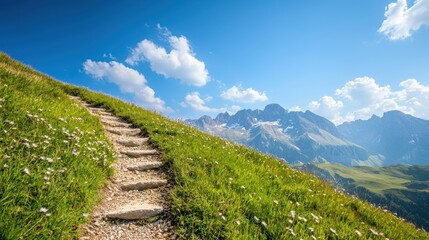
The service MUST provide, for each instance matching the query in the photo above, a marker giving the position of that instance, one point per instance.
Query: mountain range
(305, 137)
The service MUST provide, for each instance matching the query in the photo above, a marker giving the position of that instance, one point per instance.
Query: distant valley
(401, 189)
(304, 137)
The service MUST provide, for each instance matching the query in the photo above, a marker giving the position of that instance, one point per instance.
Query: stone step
(116, 123)
(142, 185)
(75, 98)
(110, 118)
(97, 109)
(143, 166)
(132, 142)
(139, 153)
(135, 211)
(103, 113)
(124, 131)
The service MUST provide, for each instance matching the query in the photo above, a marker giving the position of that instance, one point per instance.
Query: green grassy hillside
(402, 189)
(53, 157)
(220, 190)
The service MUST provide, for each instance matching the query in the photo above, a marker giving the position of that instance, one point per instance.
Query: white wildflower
(316, 218)
(85, 215)
(276, 202)
(43, 210)
(256, 218)
(48, 214)
(333, 231)
(313, 237)
(238, 222)
(26, 171)
(290, 221)
(358, 233)
(302, 219)
(373, 231)
(292, 213)
(311, 229)
(291, 231)
(264, 223)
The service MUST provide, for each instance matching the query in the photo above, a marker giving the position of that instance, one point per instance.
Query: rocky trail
(134, 204)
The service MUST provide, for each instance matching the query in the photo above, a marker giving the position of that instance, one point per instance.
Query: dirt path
(134, 204)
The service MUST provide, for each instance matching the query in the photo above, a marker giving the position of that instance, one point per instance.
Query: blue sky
(344, 60)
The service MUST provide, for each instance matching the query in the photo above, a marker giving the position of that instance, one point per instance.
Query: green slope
(225, 191)
(375, 179)
(53, 157)
(402, 189)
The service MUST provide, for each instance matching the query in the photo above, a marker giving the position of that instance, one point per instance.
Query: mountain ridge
(305, 137)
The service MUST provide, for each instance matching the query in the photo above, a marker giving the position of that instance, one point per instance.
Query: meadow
(220, 190)
(53, 157)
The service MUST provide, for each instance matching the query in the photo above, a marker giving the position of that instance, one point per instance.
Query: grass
(375, 179)
(226, 191)
(220, 190)
(401, 189)
(49, 170)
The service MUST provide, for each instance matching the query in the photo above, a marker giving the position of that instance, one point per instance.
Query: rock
(124, 131)
(135, 211)
(110, 118)
(132, 142)
(142, 185)
(103, 113)
(95, 109)
(144, 166)
(139, 153)
(116, 123)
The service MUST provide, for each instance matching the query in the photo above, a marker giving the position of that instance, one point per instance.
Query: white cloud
(363, 97)
(194, 101)
(179, 63)
(295, 109)
(234, 109)
(328, 107)
(401, 21)
(109, 56)
(245, 96)
(363, 91)
(128, 80)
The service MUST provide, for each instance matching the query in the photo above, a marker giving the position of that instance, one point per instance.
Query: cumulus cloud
(194, 101)
(401, 21)
(363, 97)
(363, 91)
(245, 96)
(180, 63)
(128, 80)
(233, 109)
(328, 107)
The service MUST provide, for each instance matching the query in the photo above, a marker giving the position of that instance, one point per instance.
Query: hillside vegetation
(220, 190)
(53, 157)
(401, 189)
